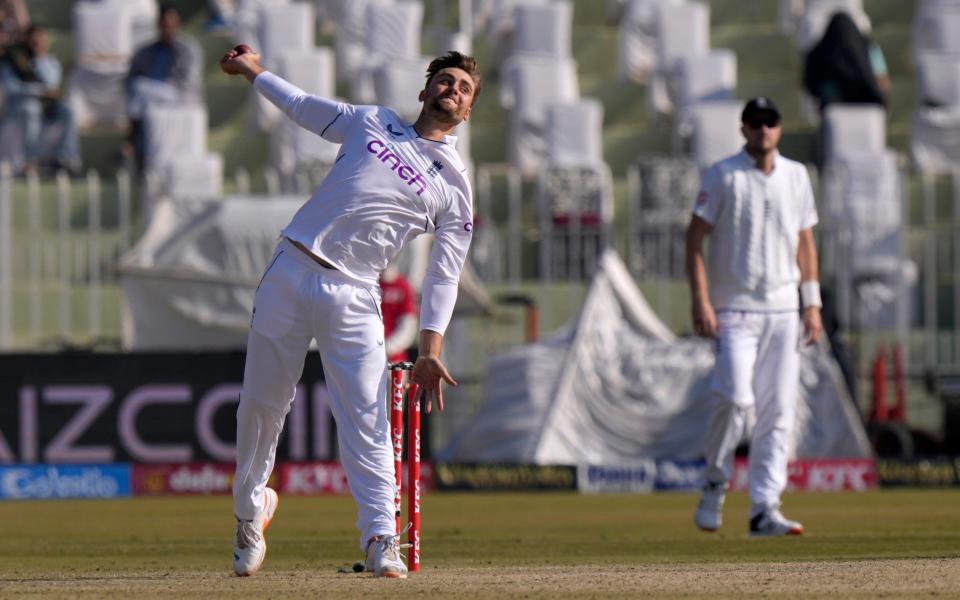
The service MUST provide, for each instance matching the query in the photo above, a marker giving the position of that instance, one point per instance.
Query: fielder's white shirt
(388, 186)
(757, 219)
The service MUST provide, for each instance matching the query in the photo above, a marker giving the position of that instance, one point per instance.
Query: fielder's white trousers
(758, 365)
(298, 300)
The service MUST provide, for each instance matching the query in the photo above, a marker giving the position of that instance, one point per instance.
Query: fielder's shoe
(709, 515)
(384, 558)
(250, 547)
(772, 523)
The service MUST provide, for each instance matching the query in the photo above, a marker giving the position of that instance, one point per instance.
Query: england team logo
(435, 168)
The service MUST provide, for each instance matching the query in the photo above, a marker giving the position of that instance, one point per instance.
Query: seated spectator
(14, 21)
(166, 71)
(31, 78)
(845, 66)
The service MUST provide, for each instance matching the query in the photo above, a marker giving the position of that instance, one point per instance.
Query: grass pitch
(900, 543)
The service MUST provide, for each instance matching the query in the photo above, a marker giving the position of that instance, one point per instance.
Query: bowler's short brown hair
(458, 61)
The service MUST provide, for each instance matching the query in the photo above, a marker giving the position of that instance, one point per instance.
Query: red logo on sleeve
(701, 199)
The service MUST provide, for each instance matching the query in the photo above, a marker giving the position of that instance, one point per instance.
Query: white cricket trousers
(299, 300)
(758, 364)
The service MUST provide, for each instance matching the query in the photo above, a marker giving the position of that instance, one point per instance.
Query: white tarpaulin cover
(188, 284)
(616, 386)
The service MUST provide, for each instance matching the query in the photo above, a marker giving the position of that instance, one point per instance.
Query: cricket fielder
(758, 209)
(391, 182)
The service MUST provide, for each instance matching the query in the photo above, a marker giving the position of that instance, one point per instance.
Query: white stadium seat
(867, 202)
(543, 29)
(932, 26)
(715, 131)
(863, 236)
(392, 33)
(393, 29)
(534, 83)
(637, 39)
(283, 30)
(555, 81)
(312, 70)
(103, 47)
(501, 16)
(176, 157)
(144, 15)
(683, 30)
(102, 40)
(292, 145)
(707, 77)
(397, 85)
(172, 132)
(935, 132)
(854, 128)
(350, 38)
(191, 178)
(247, 19)
(575, 133)
(938, 79)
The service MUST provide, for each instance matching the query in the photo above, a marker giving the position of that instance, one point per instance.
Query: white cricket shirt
(388, 186)
(757, 219)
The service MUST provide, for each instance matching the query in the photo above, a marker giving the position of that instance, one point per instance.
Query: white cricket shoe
(384, 558)
(772, 523)
(709, 515)
(250, 547)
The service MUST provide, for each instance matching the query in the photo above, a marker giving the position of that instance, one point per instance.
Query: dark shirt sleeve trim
(331, 123)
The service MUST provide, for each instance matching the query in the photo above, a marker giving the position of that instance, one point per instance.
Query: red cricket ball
(242, 49)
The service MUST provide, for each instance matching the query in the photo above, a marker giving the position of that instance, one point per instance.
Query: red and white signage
(318, 478)
(818, 475)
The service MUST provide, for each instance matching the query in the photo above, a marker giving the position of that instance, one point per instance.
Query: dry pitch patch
(866, 579)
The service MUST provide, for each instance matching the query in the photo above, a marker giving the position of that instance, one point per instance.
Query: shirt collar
(750, 161)
(449, 140)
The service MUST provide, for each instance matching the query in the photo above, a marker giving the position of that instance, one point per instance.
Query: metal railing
(60, 242)
(487, 206)
(938, 235)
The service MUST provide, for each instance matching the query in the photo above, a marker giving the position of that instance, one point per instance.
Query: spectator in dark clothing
(845, 66)
(31, 79)
(14, 21)
(166, 71)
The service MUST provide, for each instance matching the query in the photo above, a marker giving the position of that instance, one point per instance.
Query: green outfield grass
(182, 545)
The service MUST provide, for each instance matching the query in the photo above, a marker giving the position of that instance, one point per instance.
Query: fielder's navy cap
(758, 106)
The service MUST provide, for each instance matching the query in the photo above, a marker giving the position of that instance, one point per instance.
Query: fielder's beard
(445, 114)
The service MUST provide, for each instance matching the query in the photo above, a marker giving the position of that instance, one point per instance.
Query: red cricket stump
(413, 456)
(413, 477)
(396, 430)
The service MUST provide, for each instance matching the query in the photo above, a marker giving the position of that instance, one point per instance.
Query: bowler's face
(449, 94)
